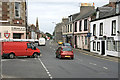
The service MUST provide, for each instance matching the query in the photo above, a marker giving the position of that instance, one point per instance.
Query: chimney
(112, 3)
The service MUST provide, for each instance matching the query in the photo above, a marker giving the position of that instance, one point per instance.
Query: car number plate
(67, 56)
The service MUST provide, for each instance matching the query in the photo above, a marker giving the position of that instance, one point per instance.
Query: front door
(103, 48)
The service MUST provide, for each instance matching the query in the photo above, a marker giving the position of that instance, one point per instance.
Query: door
(76, 41)
(103, 48)
(29, 50)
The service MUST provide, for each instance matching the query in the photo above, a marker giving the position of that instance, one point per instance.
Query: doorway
(103, 48)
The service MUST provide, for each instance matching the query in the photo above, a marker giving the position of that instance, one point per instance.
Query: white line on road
(105, 67)
(93, 63)
(45, 69)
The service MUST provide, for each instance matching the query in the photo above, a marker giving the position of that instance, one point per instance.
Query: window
(0, 35)
(28, 45)
(113, 46)
(17, 9)
(118, 46)
(70, 27)
(117, 8)
(66, 29)
(80, 24)
(85, 40)
(85, 25)
(94, 29)
(114, 27)
(101, 29)
(98, 46)
(75, 26)
(94, 46)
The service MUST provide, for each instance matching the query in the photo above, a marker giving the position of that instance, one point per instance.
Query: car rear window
(67, 49)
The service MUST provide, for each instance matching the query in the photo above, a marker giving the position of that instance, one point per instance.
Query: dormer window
(117, 7)
(97, 15)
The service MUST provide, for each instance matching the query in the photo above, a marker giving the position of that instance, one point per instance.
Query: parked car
(64, 52)
(12, 49)
(60, 42)
(41, 41)
(67, 44)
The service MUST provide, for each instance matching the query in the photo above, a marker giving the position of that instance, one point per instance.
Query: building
(105, 29)
(13, 19)
(82, 26)
(58, 30)
(68, 29)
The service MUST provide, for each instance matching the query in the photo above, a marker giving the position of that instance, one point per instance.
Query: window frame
(98, 46)
(94, 29)
(101, 29)
(113, 32)
(94, 46)
(17, 9)
(80, 24)
(85, 24)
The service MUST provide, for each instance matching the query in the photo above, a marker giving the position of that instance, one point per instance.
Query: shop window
(17, 9)
(101, 29)
(98, 46)
(118, 46)
(114, 27)
(94, 46)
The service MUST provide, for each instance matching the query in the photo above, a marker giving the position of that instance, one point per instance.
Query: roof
(105, 12)
(85, 12)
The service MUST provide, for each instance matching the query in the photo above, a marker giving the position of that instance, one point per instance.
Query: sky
(51, 12)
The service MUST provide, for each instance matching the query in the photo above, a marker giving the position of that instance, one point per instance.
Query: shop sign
(7, 35)
(18, 29)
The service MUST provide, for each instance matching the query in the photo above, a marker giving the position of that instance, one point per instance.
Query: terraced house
(82, 26)
(13, 19)
(105, 29)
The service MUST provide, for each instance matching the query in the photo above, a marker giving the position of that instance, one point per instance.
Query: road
(49, 67)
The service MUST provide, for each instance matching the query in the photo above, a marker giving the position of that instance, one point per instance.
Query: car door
(28, 50)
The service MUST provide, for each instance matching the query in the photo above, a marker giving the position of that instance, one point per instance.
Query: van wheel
(11, 56)
(35, 55)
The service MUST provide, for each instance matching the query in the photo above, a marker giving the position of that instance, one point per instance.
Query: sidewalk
(110, 58)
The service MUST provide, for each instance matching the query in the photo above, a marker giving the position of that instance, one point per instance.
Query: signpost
(89, 34)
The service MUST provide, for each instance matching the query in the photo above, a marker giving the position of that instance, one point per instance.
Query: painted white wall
(107, 29)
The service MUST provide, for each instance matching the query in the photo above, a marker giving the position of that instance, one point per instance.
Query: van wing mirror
(35, 47)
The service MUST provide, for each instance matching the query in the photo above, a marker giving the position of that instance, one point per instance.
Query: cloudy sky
(50, 12)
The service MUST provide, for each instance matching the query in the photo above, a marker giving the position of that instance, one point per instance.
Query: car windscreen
(67, 49)
(67, 44)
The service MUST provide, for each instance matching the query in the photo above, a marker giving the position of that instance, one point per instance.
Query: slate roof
(85, 13)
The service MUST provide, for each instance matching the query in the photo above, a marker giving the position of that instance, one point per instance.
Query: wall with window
(106, 27)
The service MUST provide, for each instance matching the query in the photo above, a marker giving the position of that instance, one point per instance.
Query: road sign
(7, 35)
(89, 34)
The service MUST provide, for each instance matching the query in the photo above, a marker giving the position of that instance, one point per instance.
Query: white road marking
(4, 60)
(50, 47)
(105, 67)
(45, 69)
(23, 60)
(93, 63)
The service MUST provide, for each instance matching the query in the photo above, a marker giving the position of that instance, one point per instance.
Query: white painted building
(105, 29)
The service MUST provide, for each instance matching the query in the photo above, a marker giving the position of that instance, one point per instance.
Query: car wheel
(56, 56)
(35, 55)
(11, 56)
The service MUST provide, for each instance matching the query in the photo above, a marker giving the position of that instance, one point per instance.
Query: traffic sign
(7, 35)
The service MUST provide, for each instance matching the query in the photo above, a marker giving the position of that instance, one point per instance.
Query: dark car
(64, 52)
(67, 44)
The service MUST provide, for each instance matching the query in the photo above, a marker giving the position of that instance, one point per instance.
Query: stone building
(13, 19)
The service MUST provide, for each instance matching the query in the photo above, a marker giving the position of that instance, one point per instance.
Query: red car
(64, 52)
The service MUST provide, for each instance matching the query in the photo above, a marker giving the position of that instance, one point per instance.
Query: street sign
(89, 34)
(7, 35)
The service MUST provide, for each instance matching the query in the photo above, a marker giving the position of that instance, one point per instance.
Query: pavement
(47, 66)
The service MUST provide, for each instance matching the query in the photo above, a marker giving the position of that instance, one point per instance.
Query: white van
(41, 41)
